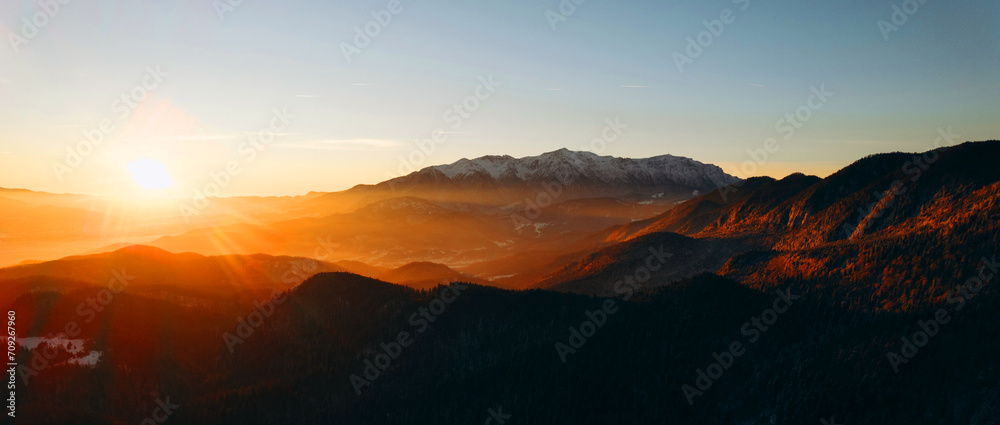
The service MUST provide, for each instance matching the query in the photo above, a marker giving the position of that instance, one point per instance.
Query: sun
(150, 174)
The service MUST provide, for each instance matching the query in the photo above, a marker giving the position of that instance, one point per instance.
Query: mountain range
(546, 200)
(866, 296)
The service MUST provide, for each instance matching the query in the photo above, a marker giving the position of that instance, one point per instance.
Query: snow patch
(503, 244)
(74, 347)
(70, 345)
(88, 360)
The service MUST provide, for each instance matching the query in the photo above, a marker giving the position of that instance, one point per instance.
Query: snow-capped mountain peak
(587, 167)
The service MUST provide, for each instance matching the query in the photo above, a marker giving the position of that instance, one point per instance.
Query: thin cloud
(362, 84)
(183, 138)
(276, 134)
(308, 95)
(757, 85)
(554, 89)
(635, 87)
(346, 144)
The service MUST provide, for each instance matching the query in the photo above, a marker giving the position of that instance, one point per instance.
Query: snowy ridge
(589, 167)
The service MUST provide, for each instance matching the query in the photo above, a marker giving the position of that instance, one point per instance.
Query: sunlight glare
(150, 174)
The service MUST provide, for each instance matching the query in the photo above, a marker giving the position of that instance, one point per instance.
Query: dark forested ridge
(889, 231)
(493, 347)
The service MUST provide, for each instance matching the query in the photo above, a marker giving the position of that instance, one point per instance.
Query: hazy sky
(353, 120)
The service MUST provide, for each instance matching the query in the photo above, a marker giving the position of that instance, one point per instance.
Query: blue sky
(354, 119)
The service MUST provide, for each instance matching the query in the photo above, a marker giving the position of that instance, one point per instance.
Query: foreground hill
(669, 257)
(227, 281)
(184, 278)
(425, 275)
(485, 348)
